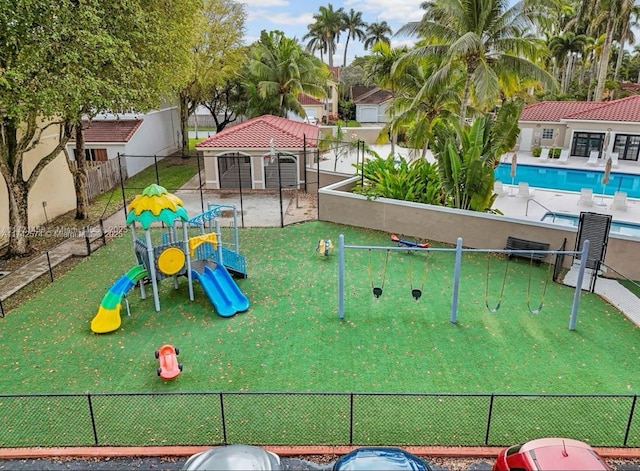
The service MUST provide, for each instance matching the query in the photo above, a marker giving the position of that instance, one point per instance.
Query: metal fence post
(155, 164)
(102, 235)
(200, 182)
(1, 308)
(87, 241)
(93, 420)
(223, 419)
(351, 419)
(124, 196)
(486, 435)
(280, 191)
(631, 412)
(50, 268)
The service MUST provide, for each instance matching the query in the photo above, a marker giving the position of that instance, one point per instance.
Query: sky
(293, 16)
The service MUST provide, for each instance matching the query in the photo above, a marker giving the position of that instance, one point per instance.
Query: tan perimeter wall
(478, 230)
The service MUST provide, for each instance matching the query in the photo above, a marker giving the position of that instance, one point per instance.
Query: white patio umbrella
(605, 146)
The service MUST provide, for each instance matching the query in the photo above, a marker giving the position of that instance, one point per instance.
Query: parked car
(233, 457)
(557, 454)
(380, 458)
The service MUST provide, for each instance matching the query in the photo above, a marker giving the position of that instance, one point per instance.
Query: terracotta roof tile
(257, 133)
(110, 130)
(625, 109)
(555, 110)
(305, 99)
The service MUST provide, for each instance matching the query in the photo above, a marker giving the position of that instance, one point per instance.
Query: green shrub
(536, 151)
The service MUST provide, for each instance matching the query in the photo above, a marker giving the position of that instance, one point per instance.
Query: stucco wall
(54, 186)
(478, 230)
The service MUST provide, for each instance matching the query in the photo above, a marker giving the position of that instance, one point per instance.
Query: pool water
(617, 227)
(570, 179)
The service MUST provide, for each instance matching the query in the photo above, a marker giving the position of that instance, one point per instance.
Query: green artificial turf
(291, 338)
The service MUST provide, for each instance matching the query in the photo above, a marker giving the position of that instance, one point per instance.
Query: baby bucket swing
(415, 292)
(377, 290)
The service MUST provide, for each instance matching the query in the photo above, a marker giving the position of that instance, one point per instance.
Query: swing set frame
(458, 251)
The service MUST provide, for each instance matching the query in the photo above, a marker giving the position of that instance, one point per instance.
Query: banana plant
(468, 154)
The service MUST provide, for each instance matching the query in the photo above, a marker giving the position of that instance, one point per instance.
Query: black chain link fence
(164, 419)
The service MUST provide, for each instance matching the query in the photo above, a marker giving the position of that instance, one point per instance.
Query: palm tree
(315, 40)
(376, 33)
(485, 38)
(328, 25)
(628, 22)
(417, 104)
(379, 68)
(565, 48)
(352, 24)
(279, 68)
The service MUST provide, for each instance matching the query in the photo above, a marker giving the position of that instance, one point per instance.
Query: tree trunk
(465, 98)
(346, 46)
(604, 61)
(19, 218)
(616, 74)
(80, 175)
(184, 124)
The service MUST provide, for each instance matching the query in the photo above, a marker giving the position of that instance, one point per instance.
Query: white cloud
(266, 3)
(398, 11)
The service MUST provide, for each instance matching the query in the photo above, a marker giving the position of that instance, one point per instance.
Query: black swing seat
(514, 243)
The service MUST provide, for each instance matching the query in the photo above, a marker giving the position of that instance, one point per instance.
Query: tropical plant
(352, 23)
(467, 155)
(377, 33)
(486, 39)
(278, 71)
(394, 177)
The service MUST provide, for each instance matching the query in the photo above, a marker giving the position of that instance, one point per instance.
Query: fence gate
(594, 227)
(288, 172)
(235, 171)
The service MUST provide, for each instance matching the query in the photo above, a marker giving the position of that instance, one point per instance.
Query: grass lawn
(292, 340)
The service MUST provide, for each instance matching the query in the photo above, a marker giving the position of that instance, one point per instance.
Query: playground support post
(124, 197)
(456, 281)
(341, 276)
(576, 296)
(152, 270)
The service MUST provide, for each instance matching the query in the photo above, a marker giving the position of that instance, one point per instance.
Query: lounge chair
(544, 155)
(586, 197)
(614, 159)
(619, 201)
(498, 189)
(564, 157)
(524, 191)
(593, 158)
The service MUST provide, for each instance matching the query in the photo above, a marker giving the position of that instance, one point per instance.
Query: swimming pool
(617, 227)
(570, 179)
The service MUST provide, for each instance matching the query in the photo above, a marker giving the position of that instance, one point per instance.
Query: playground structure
(581, 255)
(201, 257)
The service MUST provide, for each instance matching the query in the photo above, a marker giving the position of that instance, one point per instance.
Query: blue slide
(222, 290)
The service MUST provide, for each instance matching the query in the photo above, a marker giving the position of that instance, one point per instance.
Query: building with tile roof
(139, 138)
(246, 155)
(583, 127)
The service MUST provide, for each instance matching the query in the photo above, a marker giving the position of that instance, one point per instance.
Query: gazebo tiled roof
(110, 130)
(257, 133)
(624, 109)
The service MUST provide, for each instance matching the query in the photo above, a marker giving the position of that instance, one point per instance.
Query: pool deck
(564, 202)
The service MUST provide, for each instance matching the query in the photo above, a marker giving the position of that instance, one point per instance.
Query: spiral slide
(108, 317)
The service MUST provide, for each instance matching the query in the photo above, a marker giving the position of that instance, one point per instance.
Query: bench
(513, 243)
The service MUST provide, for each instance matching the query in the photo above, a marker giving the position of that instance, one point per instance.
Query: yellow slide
(106, 320)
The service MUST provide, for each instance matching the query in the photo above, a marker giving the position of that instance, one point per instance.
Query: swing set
(416, 292)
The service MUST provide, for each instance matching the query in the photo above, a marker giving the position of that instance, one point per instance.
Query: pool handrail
(526, 211)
